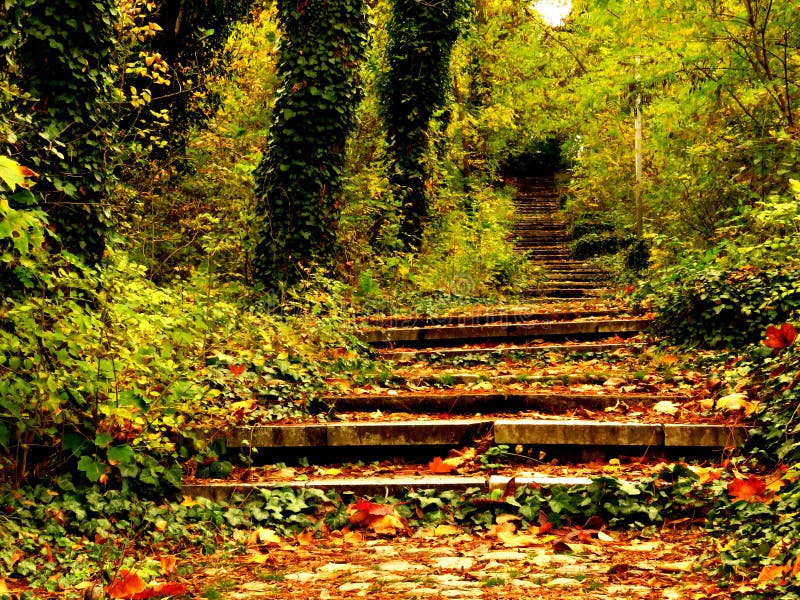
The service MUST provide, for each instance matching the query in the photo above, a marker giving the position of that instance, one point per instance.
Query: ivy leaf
(13, 174)
(91, 468)
(123, 458)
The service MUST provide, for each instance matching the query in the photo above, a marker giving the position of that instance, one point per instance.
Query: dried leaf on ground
(747, 489)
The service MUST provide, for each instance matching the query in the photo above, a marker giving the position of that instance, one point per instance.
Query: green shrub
(598, 244)
(705, 302)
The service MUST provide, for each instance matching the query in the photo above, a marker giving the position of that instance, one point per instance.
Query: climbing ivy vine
(298, 179)
(58, 64)
(421, 38)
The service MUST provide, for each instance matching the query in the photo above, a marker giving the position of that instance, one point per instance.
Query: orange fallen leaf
(305, 538)
(771, 572)
(438, 466)
(125, 585)
(169, 564)
(381, 518)
(746, 489)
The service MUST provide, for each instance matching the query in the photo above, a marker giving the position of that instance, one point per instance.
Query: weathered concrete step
(456, 433)
(610, 433)
(432, 353)
(503, 331)
(491, 402)
(572, 284)
(564, 276)
(219, 492)
(546, 291)
(521, 316)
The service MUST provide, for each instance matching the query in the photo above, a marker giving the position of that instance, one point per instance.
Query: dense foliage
(382, 134)
(173, 52)
(299, 178)
(757, 533)
(421, 37)
(56, 119)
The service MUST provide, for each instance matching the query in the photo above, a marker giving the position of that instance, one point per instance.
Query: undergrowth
(58, 535)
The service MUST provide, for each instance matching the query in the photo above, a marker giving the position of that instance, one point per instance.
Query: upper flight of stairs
(523, 377)
(542, 234)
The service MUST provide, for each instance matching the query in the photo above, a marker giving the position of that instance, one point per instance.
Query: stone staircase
(566, 381)
(543, 236)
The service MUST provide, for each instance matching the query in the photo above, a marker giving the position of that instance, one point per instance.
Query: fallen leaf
(666, 407)
(125, 585)
(439, 467)
(188, 502)
(737, 402)
(169, 564)
(257, 559)
(305, 538)
(445, 530)
(683, 566)
(3, 587)
(770, 572)
(780, 337)
(388, 524)
(380, 518)
(746, 489)
(236, 369)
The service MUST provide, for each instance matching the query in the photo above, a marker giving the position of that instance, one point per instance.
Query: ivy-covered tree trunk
(421, 37)
(298, 180)
(61, 59)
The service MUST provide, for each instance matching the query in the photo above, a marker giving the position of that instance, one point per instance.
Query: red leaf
(371, 508)
(780, 338)
(236, 369)
(746, 489)
(438, 466)
(126, 585)
(165, 589)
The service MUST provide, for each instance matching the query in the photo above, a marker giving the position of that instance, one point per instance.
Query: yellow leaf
(388, 524)
(444, 530)
(188, 501)
(771, 572)
(3, 587)
(257, 559)
(243, 405)
(666, 407)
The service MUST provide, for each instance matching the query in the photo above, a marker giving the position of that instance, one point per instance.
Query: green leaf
(103, 440)
(124, 459)
(91, 468)
(74, 442)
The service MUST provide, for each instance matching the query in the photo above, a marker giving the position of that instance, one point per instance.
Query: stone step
(513, 350)
(398, 436)
(381, 486)
(462, 333)
(564, 293)
(521, 316)
(491, 402)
